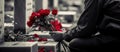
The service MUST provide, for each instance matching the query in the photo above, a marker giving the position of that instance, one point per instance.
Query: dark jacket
(99, 15)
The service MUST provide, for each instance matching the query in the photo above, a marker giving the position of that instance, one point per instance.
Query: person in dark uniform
(101, 16)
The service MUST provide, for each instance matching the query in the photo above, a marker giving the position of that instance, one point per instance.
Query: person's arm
(87, 23)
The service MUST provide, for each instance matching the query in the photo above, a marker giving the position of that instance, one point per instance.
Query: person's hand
(68, 37)
(57, 36)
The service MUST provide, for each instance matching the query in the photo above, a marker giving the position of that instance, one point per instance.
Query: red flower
(60, 25)
(58, 28)
(57, 25)
(29, 23)
(54, 12)
(36, 35)
(34, 14)
(40, 39)
(45, 12)
(38, 14)
(32, 18)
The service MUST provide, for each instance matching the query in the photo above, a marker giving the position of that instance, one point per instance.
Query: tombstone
(22, 11)
(1, 20)
(53, 4)
(41, 4)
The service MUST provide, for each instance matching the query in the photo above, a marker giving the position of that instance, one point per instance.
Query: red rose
(29, 23)
(55, 22)
(57, 25)
(31, 18)
(60, 25)
(33, 14)
(58, 28)
(38, 15)
(45, 12)
(54, 12)
(36, 35)
(42, 12)
(40, 39)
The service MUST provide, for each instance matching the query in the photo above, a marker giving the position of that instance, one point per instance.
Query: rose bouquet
(44, 20)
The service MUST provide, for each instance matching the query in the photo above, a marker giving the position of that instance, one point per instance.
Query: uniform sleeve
(87, 23)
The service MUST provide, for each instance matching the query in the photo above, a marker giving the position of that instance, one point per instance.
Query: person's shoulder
(112, 0)
(107, 2)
